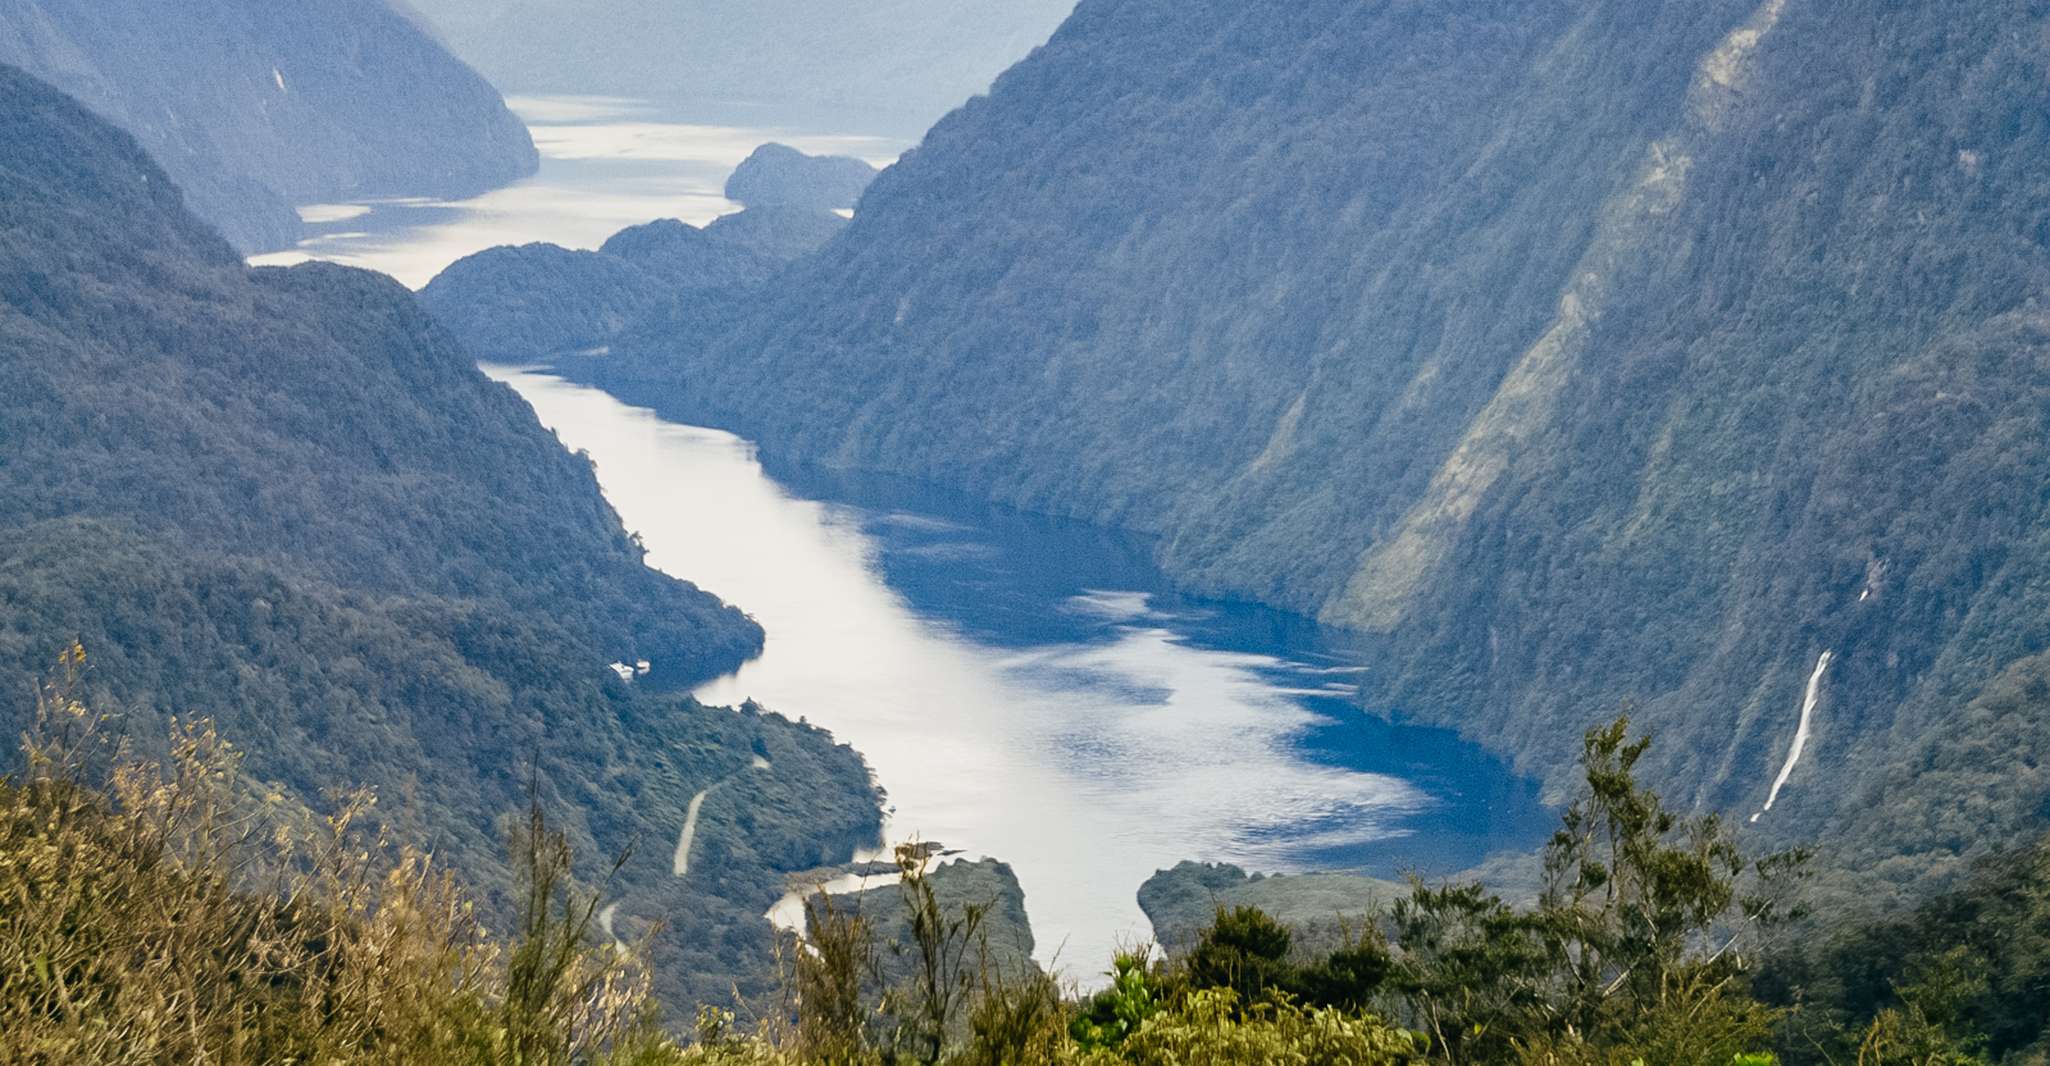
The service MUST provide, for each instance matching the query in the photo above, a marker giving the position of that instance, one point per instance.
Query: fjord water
(606, 164)
(1025, 689)
(1028, 689)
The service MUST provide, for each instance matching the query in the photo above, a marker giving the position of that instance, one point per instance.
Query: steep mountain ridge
(288, 501)
(257, 109)
(1590, 354)
(536, 301)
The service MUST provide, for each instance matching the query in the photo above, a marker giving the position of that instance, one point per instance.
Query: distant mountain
(1685, 356)
(889, 66)
(287, 500)
(777, 175)
(533, 300)
(257, 108)
(782, 233)
(683, 256)
(539, 300)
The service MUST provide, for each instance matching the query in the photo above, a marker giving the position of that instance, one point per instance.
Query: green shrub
(1210, 1027)
(158, 911)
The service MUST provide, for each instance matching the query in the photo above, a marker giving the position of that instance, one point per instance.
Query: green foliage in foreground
(1971, 966)
(158, 911)
(164, 910)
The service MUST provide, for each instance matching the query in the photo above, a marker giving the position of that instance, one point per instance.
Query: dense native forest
(288, 502)
(1684, 357)
(312, 102)
(539, 300)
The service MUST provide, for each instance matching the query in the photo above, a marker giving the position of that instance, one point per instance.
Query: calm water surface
(1029, 689)
(606, 164)
(1023, 688)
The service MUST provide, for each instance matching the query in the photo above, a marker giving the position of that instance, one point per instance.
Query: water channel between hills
(1031, 690)
(1025, 689)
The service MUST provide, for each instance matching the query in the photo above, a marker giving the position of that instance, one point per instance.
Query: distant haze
(897, 64)
(253, 115)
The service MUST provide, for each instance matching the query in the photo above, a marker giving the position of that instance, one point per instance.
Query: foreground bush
(153, 910)
(161, 910)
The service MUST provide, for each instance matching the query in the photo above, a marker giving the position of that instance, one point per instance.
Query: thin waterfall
(1800, 732)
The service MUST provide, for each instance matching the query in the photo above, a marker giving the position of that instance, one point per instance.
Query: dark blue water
(1008, 579)
(1032, 690)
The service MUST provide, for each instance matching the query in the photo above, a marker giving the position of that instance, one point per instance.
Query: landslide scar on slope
(1282, 440)
(1394, 570)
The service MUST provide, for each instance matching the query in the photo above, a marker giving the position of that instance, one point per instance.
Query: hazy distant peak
(781, 231)
(779, 175)
(636, 241)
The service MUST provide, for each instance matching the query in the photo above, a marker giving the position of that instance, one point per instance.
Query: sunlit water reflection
(1028, 689)
(606, 164)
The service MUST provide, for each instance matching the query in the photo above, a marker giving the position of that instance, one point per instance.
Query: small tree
(1469, 969)
(831, 973)
(1643, 916)
(563, 1001)
(1118, 1011)
(945, 950)
(1244, 950)
(1349, 978)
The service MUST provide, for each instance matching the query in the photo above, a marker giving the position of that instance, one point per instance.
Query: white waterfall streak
(1808, 701)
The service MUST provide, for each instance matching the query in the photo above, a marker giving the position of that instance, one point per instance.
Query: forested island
(539, 301)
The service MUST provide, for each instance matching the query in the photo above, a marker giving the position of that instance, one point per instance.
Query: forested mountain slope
(534, 301)
(288, 501)
(256, 108)
(1591, 353)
